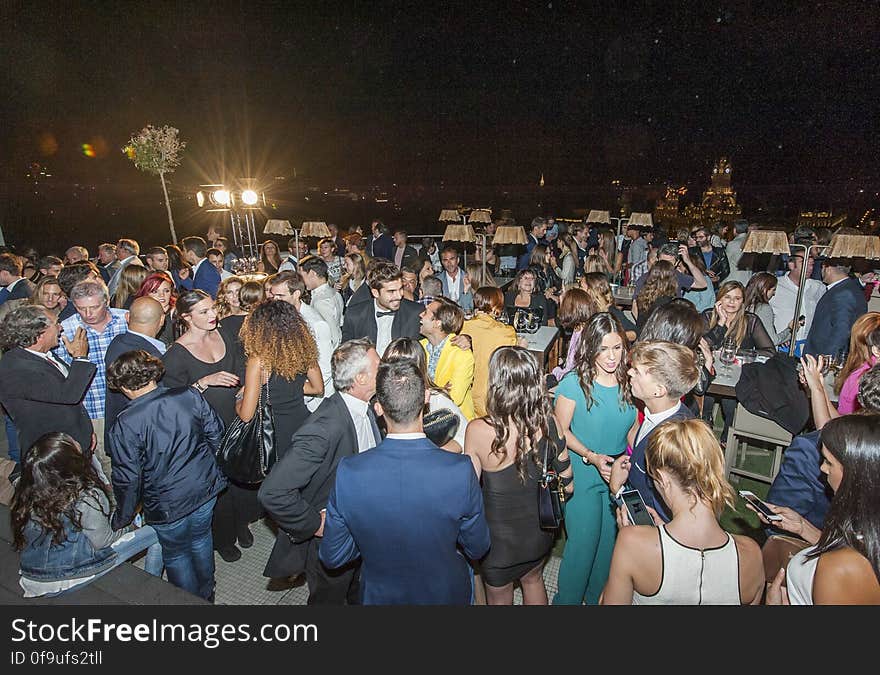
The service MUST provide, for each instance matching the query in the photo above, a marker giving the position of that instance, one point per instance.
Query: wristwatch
(199, 387)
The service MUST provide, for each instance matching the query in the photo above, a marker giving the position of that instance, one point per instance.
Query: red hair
(151, 285)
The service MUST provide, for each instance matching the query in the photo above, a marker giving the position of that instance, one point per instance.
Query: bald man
(145, 319)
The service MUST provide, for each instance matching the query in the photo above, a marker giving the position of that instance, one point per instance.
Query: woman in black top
(208, 360)
(524, 294)
(728, 318)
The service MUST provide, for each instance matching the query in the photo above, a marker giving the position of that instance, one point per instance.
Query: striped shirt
(98, 343)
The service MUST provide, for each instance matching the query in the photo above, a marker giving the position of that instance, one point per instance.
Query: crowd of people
(414, 429)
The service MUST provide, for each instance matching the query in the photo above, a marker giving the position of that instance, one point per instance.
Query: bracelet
(199, 387)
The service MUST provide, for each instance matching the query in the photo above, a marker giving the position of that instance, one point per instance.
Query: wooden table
(544, 345)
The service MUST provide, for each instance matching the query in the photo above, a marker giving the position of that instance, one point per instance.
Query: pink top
(559, 372)
(850, 389)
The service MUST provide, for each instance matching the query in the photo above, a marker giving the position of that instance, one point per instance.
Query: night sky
(462, 93)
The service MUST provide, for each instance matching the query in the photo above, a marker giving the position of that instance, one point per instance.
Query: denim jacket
(42, 560)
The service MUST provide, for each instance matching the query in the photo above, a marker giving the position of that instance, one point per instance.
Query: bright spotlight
(200, 198)
(221, 197)
(249, 197)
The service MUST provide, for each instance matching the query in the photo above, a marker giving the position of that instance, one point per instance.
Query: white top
(695, 577)
(783, 304)
(358, 410)
(324, 340)
(653, 420)
(799, 577)
(60, 365)
(328, 303)
(383, 329)
(452, 285)
(14, 284)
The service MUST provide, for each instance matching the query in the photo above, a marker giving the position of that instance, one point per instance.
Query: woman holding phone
(690, 560)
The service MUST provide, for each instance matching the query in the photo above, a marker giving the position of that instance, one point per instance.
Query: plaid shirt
(98, 343)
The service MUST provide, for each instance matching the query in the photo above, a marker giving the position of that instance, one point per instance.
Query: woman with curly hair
(595, 411)
(661, 286)
(61, 522)
(508, 448)
(280, 350)
(160, 287)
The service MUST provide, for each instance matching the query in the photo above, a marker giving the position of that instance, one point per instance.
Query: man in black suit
(403, 252)
(844, 302)
(40, 393)
(296, 491)
(145, 319)
(389, 316)
(14, 286)
(380, 246)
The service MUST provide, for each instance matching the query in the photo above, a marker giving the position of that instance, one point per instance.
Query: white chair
(747, 425)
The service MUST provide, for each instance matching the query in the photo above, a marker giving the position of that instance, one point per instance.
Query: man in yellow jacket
(448, 366)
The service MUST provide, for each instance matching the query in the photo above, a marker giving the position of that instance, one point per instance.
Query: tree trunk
(168, 206)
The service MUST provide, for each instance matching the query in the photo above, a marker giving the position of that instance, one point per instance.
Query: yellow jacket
(487, 335)
(456, 369)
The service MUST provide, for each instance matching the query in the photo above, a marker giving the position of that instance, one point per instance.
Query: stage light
(200, 198)
(249, 197)
(220, 197)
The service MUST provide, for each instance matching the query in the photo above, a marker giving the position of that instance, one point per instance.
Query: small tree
(156, 150)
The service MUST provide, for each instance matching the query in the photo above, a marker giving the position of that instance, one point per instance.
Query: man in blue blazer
(844, 302)
(405, 507)
(381, 245)
(203, 275)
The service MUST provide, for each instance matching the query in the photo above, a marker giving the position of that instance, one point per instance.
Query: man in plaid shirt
(101, 324)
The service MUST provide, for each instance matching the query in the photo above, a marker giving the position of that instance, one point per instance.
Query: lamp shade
(458, 232)
(641, 219)
(313, 228)
(595, 216)
(480, 216)
(854, 246)
(767, 241)
(276, 226)
(449, 216)
(509, 234)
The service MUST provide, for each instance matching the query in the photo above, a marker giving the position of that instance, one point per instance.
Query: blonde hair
(221, 305)
(737, 326)
(130, 280)
(672, 365)
(596, 286)
(689, 451)
(660, 281)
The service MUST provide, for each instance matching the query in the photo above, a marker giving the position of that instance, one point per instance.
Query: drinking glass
(727, 355)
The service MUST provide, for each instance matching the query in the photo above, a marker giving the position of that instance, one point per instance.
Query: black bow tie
(379, 315)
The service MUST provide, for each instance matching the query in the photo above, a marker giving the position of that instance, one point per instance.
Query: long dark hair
(757, 289)
(185, 304)
(854, 517)
(55, 474)
(595, 329)
(517, 395)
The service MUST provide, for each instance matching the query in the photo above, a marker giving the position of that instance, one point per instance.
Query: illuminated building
(719, 200)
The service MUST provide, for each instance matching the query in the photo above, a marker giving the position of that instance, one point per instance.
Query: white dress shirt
(383, 329)
(785, 298)
(358, 410)
(653, 420)
(60, 365)
(324, 340)
(452, 285)
(328, 303)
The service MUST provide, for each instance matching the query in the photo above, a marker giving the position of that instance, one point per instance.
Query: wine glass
(728, 353)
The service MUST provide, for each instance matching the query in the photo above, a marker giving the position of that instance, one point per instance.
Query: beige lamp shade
(767, 241)
(314, 228)
(854, 246)
(458, 232)
(641, 219)
(449, 216)
(480, 216)
(509, 234)
(595, 216)
(276, 226)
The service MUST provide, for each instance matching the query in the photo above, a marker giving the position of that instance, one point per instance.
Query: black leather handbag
(247, 450)
(551, 494)
(440, 426)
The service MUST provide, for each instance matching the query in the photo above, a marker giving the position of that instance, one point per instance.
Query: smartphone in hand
(760, 506)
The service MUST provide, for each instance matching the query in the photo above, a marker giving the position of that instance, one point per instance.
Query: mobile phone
(761, 507)
(635, 507)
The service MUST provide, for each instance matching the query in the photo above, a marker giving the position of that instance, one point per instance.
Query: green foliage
(155, 150)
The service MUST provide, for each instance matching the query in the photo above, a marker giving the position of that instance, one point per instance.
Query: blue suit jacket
(800, 485)
(404, 507)
(638, 476)
(465, 300)
(834, 317)
(206, 279)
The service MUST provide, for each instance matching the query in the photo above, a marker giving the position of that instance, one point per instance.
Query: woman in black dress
(507, 448)
(160, 287)
(206, 359)
(280, 348)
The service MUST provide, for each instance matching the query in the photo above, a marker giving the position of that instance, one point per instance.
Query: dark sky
(475, 92)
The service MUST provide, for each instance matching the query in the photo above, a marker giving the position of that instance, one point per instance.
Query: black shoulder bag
(247, 450)
(551, 494)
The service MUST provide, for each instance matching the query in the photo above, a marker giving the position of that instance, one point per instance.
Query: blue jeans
(12, 438)
(188, 550)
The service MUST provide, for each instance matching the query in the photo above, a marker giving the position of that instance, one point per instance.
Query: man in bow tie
(389, 316)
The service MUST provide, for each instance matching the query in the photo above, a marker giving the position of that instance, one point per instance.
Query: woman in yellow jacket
(487, 334)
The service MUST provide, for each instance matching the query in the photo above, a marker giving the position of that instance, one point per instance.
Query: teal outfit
(589, 517)
(704, 299)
